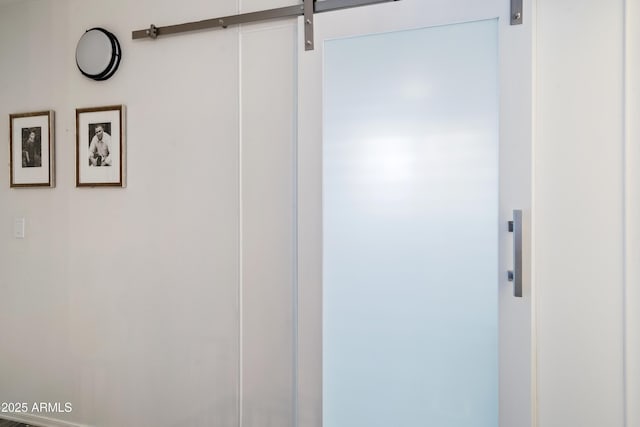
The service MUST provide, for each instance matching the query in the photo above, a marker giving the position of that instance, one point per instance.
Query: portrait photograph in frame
(100, 146)
(31, 149)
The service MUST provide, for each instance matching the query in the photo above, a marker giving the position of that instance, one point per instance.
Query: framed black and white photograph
(31, 147)
(100, 146)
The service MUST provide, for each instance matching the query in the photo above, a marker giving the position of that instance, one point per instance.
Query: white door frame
(517, 315)
(632, 213)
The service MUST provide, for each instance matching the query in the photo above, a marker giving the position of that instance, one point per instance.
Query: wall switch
(18, 228)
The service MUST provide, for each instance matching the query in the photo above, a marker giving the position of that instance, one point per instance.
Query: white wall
(578, 208)
(158, 304)
(193, 308)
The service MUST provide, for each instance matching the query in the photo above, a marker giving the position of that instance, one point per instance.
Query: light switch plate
(18, 228)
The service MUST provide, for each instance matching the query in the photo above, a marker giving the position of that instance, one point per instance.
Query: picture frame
(32, 149)
(100, 146)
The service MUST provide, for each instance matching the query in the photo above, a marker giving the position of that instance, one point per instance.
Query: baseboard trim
(39, 421)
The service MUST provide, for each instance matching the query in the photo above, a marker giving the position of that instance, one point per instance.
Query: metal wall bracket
(152, 32)
(307, 9)
(516, 12)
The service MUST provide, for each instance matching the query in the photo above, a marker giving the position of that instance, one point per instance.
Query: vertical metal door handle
(515, 276)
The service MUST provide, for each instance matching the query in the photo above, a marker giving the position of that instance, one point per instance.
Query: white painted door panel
(516, 345)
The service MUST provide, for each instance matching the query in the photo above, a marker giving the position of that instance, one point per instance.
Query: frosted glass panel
(410, 229)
